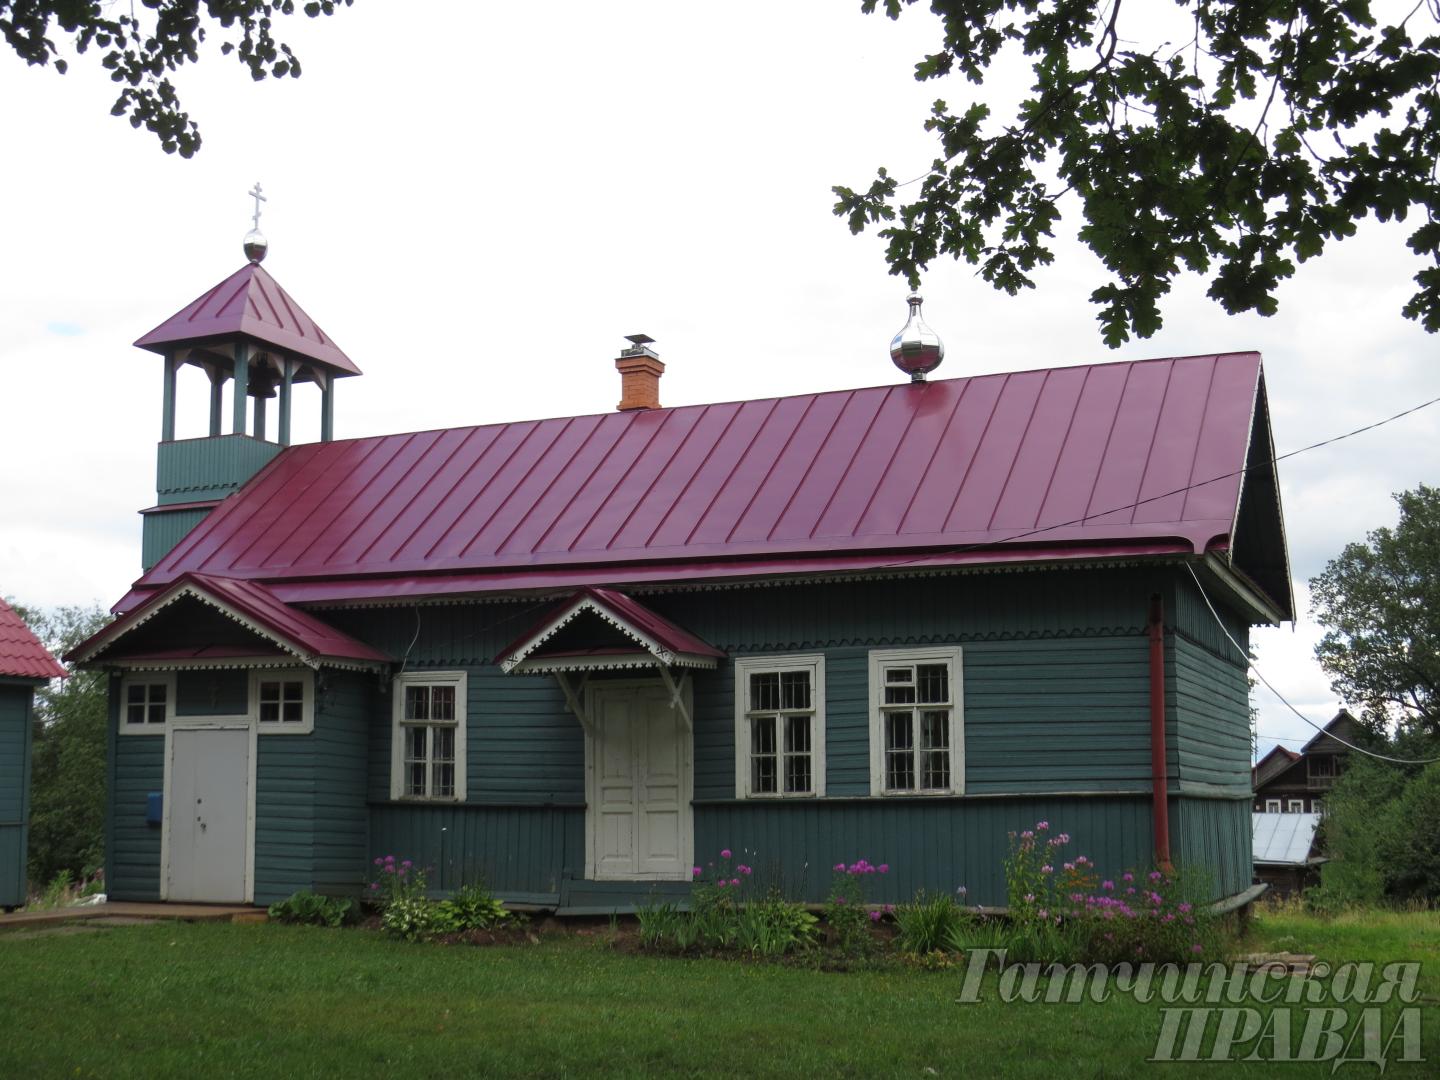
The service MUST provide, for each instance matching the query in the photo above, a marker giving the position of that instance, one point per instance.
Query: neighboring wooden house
(1286, 782)
(24, 665)
(580, 655)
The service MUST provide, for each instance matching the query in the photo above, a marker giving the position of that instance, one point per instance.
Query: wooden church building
(579, 656)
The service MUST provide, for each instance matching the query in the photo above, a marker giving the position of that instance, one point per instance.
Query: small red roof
(1100, 461)
(297, 632)
(21, 654)
(250, 303)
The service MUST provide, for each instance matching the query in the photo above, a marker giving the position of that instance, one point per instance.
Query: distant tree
(67, 775)
(1380, 602)
(139, 48)
(1264, 130)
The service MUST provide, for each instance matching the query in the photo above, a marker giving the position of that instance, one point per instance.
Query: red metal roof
(1060, 463)
(296, 631)
(21, 654)
(249, 303)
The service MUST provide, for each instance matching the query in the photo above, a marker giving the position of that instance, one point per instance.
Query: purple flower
(734, 881)
(725, 854)
(1027, 835)
(407, 864)
(1064, 838)
(721, 883)
(1044, 914)
(874, 916)
(389, 869)
(1041, 826)
(1029, 898)
(745, 870)
(375, 886)
(379, 861)
(1109, 885)
(1070, 866)
(695, 871)
(1155, 875)
(839, 867)
(389, 858)
(884, 868)
(1184, 909)
(1127, 876)
(1047, 869)
(1197, 948)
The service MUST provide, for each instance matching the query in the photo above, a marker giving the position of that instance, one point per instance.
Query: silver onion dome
(916, 349)
(256, 245)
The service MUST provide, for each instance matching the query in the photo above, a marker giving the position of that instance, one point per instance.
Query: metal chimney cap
(639, 345)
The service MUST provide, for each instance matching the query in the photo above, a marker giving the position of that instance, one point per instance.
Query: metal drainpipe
(1159, 780)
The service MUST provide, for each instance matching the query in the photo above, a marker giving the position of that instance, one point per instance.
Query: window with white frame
(146, 703)
(916, 722)
(1272, 806)
(779, 726)
(1297, 806)
(284, 701)
(428, 740)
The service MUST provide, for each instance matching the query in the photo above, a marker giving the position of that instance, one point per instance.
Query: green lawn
(204, 1000)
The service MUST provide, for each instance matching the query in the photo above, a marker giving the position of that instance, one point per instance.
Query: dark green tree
(67, 774)
(1380, 603)
(1268, 129)
(140, 47)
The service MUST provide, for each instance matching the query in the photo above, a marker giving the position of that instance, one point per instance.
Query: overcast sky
(478, 201)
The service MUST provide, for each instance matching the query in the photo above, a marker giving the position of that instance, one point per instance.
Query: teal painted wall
(161, 530)
(132, 847)
(212, 693)
(190, 470)
(311, 820)
(1213, 835)
(15, 739)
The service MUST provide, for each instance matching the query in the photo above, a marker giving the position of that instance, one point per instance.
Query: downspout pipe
(1158, 772)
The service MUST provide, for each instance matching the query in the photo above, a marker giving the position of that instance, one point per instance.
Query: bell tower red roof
(249, 304)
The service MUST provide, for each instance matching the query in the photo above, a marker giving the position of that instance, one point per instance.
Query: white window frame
(306, 678)
(1295, 806)
(147, 678)
(1272, 806)
(879, 660)
(746, 666)
(459, 680)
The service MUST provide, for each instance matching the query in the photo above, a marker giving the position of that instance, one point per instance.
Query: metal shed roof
(21, 654)
(1059, 463)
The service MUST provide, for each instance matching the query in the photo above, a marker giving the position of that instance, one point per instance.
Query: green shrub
(928, 923)
(416, 919)
(845, 908)
(774, 927)
(473, 908)
(308, 908)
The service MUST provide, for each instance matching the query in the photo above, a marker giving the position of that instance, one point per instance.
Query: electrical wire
(1259, 675)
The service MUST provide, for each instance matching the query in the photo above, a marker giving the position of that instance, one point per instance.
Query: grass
(284, 1001)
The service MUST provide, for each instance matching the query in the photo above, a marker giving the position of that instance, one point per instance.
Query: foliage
(142, 47)
(472, 907)
(64, 890)
(775, 926)
(1380, 838)
(415, 918)
(67, 772)
(1034, 889)
(1380, 602)
(845, 907)
(1240, 138)
(929, 923)
(400, 890)
(311, 909)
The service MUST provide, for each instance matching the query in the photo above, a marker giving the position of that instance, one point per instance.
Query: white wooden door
(639, 799)
(207, 806)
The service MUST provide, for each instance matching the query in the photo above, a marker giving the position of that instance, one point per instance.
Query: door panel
(207, 808)
(640, 789)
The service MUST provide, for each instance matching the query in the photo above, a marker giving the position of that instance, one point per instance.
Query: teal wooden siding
(132, 857)
(190, 470)
(15, 737)
(524, 853)
(1213, 836)
(1213, 705)
(311, 821)
(212, 693)
(161, 530)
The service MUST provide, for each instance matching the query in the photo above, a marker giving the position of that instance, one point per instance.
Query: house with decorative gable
(578, 656)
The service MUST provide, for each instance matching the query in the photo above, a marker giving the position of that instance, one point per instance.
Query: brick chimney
(640, 371)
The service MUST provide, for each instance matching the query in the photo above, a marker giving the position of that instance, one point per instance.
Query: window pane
(934, 682)
(294, 691)
(135, 693)
(797, 734)
(135, 714)
(157, 692)
(900, 770)
(442, 703)
(899, 731)
(935, 769)
(417, 703)
(762, 775)
(935, 730)
(269, 691)
(415, 742)
(444, 744)
(269, 711)
(762, 735)
(797, 772)
(765, 691)
(416, 782)
(795, 690)
(157, 714)
(444, 780)
(899, 685)
(897, 675)
(294, 712)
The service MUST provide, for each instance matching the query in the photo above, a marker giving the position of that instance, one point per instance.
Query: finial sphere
(256, 246)
(916, 349)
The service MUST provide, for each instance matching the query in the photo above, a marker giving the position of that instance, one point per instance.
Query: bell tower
(249, 332)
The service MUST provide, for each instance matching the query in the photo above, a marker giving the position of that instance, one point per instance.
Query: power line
(1259, 675)
(1040, 530)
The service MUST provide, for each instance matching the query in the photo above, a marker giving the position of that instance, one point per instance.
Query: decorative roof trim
(610, 662)
(583, 603)
(229, 663)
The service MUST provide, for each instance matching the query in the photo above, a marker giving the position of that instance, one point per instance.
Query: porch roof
(651, 639)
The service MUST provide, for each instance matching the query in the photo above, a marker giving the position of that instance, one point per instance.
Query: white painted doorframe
(209, 723)
(687, 776)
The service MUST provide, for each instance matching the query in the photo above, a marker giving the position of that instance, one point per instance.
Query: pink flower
(1109, 885)
(725, 854)
(874, 916)
(1041, 826)
(1184, 909)
(375, 886)
(744, 869)
(389, 858)
(407, 864)
(1027, 835)
(721, 883)
(1044, 914)
(1155, 875)
(1127, 876)
(734, 881)
(1197, 948)
(379, 861)
(884, 868)
(389, 869)
(1070, 866)
(1047, 869)
(1064, 838)
(1029, 898)
(695, 871)
(1081, 860)
(839, 867)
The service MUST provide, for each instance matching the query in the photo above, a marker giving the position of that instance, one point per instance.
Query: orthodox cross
(254, 193)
